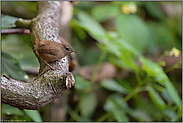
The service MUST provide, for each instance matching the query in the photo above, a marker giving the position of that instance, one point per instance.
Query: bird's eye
(66, 48)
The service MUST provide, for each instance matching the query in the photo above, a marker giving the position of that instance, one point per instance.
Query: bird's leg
(49, 65)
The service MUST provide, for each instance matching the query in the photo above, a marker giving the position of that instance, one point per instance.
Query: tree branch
(50, 84)
(15, 31)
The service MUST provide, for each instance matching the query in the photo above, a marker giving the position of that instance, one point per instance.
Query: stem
(102, 56)
(138, 77)
(173, 67)
(161, 57)
(76, 110)
(23, 23)
(73, 115)
(94, 75)
(103, 117)
(136, 90)
(95, 87)
(130, 94)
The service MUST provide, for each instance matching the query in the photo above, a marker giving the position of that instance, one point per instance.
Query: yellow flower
(129, 8)
(175, 51)
(125, 9)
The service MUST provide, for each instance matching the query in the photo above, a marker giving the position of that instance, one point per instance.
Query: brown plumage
(51, 51)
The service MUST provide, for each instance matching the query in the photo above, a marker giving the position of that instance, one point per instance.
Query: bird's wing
(50, 49)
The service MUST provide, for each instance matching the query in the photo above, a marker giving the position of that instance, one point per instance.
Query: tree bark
(58, 108)
(50, 84)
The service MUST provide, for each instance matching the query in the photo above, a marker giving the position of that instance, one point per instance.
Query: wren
(51, 51)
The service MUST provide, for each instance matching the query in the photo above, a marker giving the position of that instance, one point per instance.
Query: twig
(102, 56)
(15, 31)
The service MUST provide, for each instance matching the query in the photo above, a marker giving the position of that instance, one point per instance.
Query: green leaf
(156, 98)
(11, 67)
(129, 60)
(173, 93)
(125, 52)
(166, 95)
(154, 70)
(80, 32)
(104, 11)
(154, 10)
(21, 51)
(113, 104)
(116, 48)
(133, 30)
(112, 35)
(120, 116)
(81, 84)
(171, 114)
(112, 85)
(92, 26)
(161, 34)
(128, 46)
(9, 110)
(34, 115)
(88, 104)
(140, 115)
(179, 114)
(7, 21)
(85, 119)
(158, 87)
(149, 108)
(113, 101)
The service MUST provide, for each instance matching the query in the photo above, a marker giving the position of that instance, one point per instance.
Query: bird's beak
(73, 51)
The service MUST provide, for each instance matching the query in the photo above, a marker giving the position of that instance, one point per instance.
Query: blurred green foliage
(132, 37)
(20, 9)
(7, 21)
(137, 30)
(12, 114)
(19, 47)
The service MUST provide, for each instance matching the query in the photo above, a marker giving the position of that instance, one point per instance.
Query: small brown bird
(51, 51)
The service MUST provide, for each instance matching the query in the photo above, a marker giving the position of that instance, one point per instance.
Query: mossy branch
(23, 23)
(50, 84)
